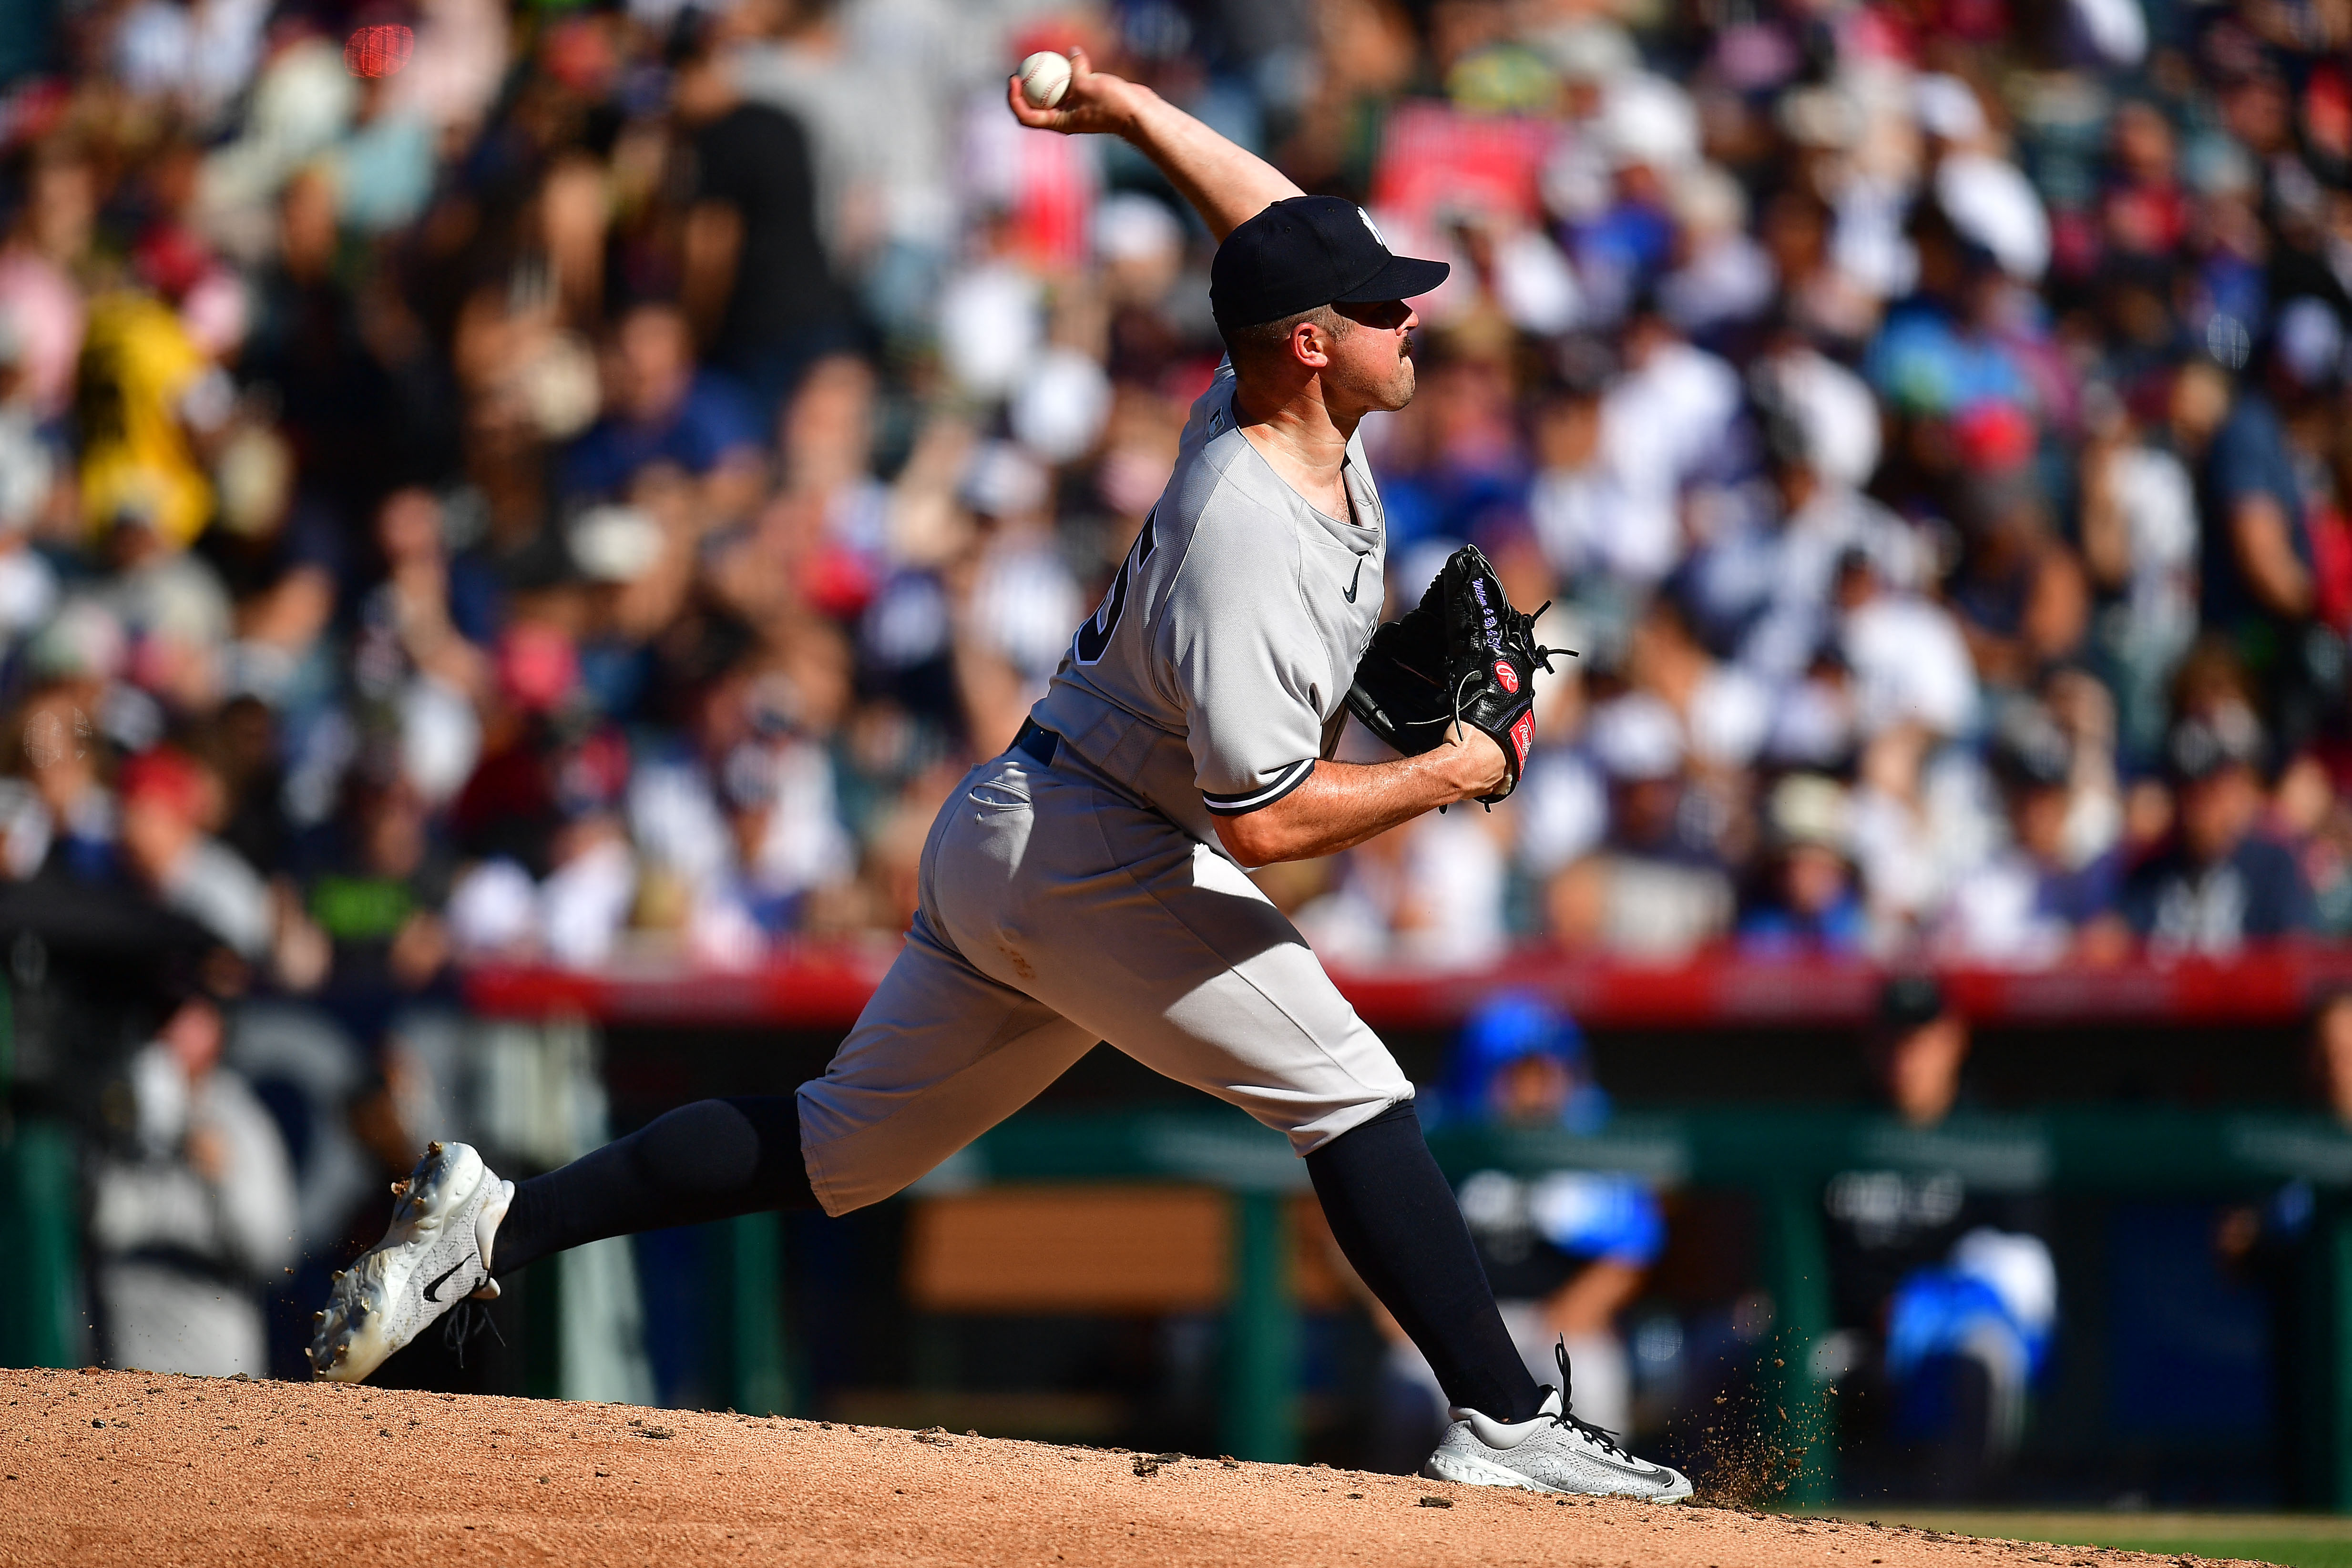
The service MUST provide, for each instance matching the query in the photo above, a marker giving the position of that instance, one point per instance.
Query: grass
(2295, 1540)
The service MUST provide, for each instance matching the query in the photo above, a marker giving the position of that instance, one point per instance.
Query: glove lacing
(1518, 637)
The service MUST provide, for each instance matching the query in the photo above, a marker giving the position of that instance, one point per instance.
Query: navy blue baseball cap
(1307, 251)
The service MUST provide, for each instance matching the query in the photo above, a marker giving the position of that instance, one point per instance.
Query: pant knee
(1374, 1110)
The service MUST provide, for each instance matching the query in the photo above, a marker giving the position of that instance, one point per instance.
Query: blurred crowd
(571, 481)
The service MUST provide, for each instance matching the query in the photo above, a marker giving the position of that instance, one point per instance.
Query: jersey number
(1094, 637)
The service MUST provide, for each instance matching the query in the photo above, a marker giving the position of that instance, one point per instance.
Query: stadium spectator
(2059, 871)
(756, 280)
(378, 900)
(1945, 1294)
(170, 804)
(2256, 561)
(2139, 534)
(1657, 888)
(191, 1212)
(2221, 881)
(662, 410)
(1765, 583)
(1806, 900)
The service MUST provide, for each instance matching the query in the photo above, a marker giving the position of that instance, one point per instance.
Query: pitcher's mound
(126, 1468)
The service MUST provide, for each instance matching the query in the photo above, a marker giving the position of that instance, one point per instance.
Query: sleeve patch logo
(1508, 676)
(1523, 734)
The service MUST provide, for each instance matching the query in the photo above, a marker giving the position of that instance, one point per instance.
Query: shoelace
(464, 1323)
(1600, 1436)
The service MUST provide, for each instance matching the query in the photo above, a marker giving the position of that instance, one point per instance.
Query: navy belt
(1036, 743)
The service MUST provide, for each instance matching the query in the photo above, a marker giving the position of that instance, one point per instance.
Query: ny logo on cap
(1375, 230)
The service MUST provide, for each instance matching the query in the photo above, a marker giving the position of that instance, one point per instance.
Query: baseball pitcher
(1090, 884)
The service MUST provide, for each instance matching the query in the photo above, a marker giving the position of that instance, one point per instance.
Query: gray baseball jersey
(1216, 670)
(1087, 900)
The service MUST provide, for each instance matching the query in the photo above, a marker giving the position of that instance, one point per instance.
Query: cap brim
(1404, 277)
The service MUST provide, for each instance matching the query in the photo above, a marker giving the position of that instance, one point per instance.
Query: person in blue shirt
(2257, 579)
(2255, 565)
(1808, 900)
(1566, 1251)
(660, 409)
(1935, 357)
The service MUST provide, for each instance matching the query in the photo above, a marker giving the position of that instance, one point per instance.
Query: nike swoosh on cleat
(1656, 1477)
(444, 1279)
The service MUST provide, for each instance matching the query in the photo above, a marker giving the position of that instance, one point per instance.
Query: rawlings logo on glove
(1462, 655)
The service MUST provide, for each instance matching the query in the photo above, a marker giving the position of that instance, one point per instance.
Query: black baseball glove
(1462, 655)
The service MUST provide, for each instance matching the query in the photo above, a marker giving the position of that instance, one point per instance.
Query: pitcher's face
(1372, 366)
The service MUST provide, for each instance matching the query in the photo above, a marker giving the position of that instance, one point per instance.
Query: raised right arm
(1225, 184)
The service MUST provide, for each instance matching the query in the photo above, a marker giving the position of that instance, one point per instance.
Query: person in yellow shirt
(144, 389)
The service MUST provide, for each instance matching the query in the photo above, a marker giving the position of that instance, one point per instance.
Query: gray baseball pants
(1052, 913)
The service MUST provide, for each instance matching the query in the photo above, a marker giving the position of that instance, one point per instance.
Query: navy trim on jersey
(1289, 779)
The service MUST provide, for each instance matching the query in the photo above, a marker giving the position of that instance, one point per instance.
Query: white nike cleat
(436, 1253)
(1555, 1452)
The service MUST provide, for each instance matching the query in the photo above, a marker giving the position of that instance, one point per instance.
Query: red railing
(823, 986)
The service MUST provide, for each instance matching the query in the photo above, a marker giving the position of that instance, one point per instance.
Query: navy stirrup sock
(711, 1160)
(1395, 1217)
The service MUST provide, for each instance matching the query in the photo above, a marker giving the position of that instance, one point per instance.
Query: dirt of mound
(131, 1468)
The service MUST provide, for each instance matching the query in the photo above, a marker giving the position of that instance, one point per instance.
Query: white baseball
(1045, 77)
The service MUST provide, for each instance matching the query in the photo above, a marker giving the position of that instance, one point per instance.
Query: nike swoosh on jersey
(444, 1279)
(1352, 580)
